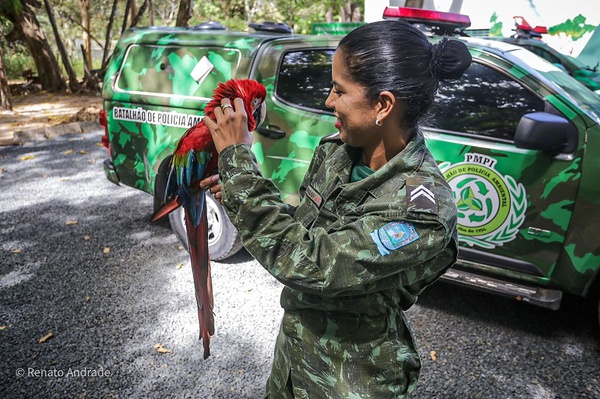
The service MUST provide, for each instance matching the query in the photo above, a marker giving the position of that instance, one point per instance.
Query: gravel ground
(79, 260)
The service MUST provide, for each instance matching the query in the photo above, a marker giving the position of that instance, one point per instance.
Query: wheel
(223, 238)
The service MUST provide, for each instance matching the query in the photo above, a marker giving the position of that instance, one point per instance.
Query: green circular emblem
(482, 197)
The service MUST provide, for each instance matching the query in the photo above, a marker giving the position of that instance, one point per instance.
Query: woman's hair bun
(450, 59)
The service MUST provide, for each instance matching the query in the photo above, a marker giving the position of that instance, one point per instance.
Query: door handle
(274, 134)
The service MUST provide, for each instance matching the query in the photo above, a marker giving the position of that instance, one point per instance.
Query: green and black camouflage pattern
(151, 98)
(549, 221)
(352, 257)
(553, 199)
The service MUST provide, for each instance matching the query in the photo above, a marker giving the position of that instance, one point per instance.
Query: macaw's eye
(256, 103)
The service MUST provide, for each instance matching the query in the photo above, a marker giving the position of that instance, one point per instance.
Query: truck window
(167, 71)
(483, 102)
(305, 78)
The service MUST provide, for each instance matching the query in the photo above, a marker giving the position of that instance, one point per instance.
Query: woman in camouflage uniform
(376, 223)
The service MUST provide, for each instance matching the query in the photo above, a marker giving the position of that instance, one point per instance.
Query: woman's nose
(330, 102)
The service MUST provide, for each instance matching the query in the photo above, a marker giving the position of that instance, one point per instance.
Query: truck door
(514, 205)
(297, 74)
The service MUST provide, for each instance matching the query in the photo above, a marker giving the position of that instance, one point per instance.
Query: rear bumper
(543, 297)
(110, 172)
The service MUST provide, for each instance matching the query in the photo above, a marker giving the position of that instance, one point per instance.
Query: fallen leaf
(180, 247)
(67, 152)
(26, 157)
(83, 152)
(2, 328)
(45, 338)
(100, 144)
(70, 222)
(160, 348)
(87, 298)
(91, 161)
(86, 237)
(106, 250)
(433, 356)
(16, 251)
(1, 170)
(180, 265)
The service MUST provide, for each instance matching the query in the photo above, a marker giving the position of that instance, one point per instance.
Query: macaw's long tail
(198, 245)
(165, 209)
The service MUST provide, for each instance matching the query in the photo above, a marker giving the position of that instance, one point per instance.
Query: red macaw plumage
(195, 158)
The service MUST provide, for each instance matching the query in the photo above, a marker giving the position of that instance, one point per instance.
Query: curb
(48, 133)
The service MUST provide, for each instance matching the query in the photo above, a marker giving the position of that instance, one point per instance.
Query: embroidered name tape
(314, 196)
(394, 235)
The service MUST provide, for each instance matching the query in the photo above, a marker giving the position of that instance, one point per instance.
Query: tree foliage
(86, 32)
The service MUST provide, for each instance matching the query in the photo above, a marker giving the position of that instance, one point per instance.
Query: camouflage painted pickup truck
(516, 138)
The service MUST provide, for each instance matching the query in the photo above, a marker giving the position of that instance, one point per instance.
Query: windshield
(585, 99)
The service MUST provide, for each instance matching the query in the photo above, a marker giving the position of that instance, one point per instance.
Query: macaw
(195, 158)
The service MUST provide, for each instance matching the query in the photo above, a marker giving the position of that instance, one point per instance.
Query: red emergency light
(523, 25)
(433, 18)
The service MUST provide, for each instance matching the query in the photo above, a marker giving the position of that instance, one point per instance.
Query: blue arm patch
(394, 235)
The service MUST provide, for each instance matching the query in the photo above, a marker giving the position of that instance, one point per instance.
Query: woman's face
(356, 114)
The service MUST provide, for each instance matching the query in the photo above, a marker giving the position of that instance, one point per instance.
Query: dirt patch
(41, 110)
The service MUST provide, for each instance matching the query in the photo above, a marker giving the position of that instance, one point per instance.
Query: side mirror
(542, 131)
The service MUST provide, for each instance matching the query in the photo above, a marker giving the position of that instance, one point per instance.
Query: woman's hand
(231, 125)
(211, 183)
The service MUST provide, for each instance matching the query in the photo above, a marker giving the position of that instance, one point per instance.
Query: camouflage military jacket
(352, 256)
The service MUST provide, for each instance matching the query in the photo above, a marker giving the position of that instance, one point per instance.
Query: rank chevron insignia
(422, 191)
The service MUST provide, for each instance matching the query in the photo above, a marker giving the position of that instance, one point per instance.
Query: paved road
(79, 260)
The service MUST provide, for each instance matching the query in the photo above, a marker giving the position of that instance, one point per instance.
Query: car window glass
(547, 56)
(304, 78)
(186, 71)
(483, 102)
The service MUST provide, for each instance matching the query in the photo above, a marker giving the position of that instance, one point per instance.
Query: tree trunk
(350, 12)
(73, 83)
(5, 97)
(151, 12)
(184, 13)
(27, 28)
(132, 13)
(126, 15)
(84, 6)
(137, 18)
(107, 43)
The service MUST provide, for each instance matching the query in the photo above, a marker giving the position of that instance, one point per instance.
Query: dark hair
(397, 57)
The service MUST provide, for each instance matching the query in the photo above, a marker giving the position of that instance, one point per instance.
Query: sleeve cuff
(234, 160)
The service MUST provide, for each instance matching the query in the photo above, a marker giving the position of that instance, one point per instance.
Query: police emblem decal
(394, 235)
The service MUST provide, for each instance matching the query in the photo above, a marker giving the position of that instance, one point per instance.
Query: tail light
(104, 123)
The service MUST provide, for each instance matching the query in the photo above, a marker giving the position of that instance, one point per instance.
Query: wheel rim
(215, 224)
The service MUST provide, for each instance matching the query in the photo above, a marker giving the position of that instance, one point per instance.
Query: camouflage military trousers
(326, 354)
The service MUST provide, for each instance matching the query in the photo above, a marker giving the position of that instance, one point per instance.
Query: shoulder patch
(394, 235)
(420, 196)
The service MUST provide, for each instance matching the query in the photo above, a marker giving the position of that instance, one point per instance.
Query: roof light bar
(525, 30)
(440, 19)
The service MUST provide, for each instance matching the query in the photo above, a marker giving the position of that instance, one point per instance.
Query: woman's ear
(385, 105)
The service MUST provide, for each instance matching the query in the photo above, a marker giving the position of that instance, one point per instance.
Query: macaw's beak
(260, 113)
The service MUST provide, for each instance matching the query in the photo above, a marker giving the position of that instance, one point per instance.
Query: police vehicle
(515, 137)
(531, 38)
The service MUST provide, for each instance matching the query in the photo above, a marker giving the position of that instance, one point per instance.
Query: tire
(223, 239)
